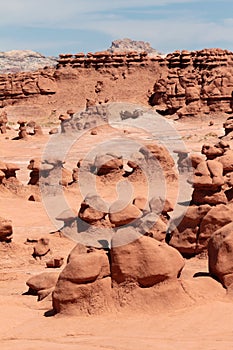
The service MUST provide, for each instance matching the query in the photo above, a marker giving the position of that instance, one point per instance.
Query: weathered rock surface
(121, 213)
(44, 280)
(144, 261)
(84, 282)
(220, 252)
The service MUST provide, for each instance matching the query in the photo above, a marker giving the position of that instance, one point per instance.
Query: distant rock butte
(127, 45)
(182, 84)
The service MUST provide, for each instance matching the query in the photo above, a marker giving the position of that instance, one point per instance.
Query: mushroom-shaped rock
(122, 213)
(211, 151)
(41, 248)
(44, 280)
(220, 253)
(144, 260)
(160, 153)
(107, 163)
(34, 164)
(84, 284)
(70, 112)
(93, 209)
(6, 230)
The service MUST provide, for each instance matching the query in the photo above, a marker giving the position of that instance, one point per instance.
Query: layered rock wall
(182, 83)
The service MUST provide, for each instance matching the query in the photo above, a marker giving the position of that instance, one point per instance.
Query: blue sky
(58, 26)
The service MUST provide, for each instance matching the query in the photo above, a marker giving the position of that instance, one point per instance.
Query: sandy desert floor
(25, 324)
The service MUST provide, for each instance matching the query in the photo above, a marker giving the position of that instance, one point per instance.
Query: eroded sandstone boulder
(144, 261)
(220, 253)
(84, 284)
(184, 230)
(122, 213)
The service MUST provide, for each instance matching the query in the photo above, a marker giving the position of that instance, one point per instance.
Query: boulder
(227, 161)
(144, 261)
(108, 163)
(84, 283)
(122, 213)
(41, 248)
(216, 218)
(55, 262)
(44, 280)
(92, 209)
(212, 197)
(220, 254)
(161, 154)
(184, 229)
(86, 267)
(53, 131)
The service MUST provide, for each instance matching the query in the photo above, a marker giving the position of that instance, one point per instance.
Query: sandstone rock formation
(55, 262)
(91, 280)
(41, 248)
(93, 209)
(220, 254)
(108, 163)
(195, 82)
(3, 122)
(183, 83)
(6, 230)
(144, 261)
(122, 213)
(211, 204)
(84, 282)
(22, 130)
(91, 117)
(42, 284)
(37, 130)
(53, 174)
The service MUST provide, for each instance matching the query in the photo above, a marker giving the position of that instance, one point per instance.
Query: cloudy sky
(55, 26)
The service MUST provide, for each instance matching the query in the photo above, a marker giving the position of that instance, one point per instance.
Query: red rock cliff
(183, 83)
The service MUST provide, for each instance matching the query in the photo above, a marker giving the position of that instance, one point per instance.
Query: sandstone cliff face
(195, 82)
(183, 83)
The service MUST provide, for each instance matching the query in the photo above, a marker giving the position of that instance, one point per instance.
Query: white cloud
(168, 33)
(52, 13)
(176, 33)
